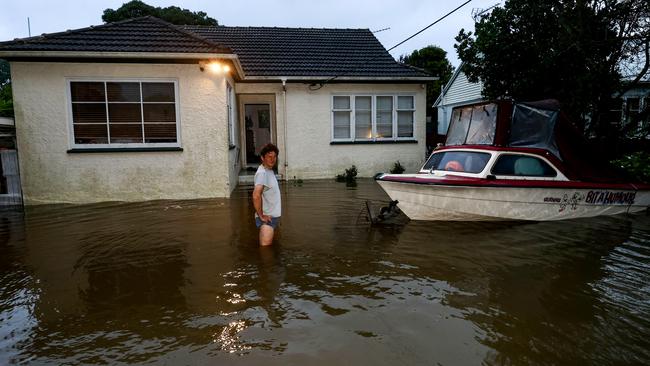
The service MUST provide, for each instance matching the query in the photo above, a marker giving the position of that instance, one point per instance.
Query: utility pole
(29, 28)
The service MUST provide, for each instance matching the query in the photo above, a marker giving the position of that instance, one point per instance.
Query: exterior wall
(306, 148)
(459, 92)
(51, 174)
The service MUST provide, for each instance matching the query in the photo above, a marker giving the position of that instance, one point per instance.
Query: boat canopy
(506, 124)
(533, 125)
(540, 124)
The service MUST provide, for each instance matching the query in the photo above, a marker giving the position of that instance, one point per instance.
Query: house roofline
(340, 78)
(34, 56)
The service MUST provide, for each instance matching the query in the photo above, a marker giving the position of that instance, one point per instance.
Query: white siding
(461, 90)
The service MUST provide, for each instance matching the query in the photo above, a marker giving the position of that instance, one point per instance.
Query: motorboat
(513, 161)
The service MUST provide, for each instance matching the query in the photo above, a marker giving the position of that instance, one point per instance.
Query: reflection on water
(185, 282)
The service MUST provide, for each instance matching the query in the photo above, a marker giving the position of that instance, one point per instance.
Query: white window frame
(71, 136)
(397, 110)
(349, 110)
(373, 116)
(373, 130)
(230, 102)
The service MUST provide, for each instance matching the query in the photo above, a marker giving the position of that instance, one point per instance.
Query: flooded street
(184, 282)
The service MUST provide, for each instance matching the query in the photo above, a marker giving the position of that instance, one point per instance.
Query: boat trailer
(385, 212)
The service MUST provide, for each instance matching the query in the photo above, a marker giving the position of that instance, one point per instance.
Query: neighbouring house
(143, 109)
(625, 110)
(458, 91)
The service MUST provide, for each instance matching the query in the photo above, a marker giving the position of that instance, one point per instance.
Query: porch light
(214, 67)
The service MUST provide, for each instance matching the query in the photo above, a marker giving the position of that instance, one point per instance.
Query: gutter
(9, 55)
(345, 78)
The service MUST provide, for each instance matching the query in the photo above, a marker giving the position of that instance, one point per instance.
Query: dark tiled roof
(262, 51)
(270, 51)
(146, 34)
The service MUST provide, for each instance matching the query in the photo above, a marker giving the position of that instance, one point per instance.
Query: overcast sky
(402, 18)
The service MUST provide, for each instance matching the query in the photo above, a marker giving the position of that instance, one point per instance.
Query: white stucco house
(143, 109)
(458, 91)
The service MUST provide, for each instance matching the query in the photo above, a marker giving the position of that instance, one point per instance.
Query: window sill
(122, 149)
(371, 142)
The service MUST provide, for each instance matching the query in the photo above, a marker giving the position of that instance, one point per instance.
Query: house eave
(35, 56)
(335, 79)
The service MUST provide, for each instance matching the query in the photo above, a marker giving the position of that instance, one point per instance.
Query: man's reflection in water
(271, 276)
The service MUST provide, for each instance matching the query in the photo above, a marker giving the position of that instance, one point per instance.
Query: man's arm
(257, 202)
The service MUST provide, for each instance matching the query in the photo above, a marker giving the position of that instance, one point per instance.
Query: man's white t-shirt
(271, 204)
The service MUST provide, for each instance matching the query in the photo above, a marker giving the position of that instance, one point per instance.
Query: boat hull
(441, 202)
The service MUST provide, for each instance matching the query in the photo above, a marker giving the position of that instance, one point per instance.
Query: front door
(257, 122)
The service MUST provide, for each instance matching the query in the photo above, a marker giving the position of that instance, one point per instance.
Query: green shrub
(636, 164)
(397, 168)
(349, 176)
(6, 101)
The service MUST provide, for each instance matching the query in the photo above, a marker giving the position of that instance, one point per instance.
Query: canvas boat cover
(541, 125)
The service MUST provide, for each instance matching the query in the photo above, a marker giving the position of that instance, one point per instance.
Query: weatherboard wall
(459, 92)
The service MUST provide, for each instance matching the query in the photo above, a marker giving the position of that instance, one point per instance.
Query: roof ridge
(414, 68)
(269, 27)
(188, 33)
(71, 31)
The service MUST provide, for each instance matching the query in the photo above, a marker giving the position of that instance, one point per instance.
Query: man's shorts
(274, 222)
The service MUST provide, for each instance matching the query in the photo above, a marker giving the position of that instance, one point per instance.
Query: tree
(434, 60)
(6, 98)
(5, 75)
(573, 51)
(6, 101)
(171, 14)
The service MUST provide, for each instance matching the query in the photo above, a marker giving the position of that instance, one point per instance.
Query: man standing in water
(266, 195)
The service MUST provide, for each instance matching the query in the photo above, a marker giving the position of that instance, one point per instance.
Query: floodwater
(184, 282)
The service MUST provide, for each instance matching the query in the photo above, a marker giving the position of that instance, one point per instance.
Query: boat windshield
(472, 125)
(457, 161)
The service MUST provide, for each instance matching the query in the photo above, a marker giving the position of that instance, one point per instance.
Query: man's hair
(268, 148)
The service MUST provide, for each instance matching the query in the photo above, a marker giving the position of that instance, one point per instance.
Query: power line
(318, 85)
(430, 25)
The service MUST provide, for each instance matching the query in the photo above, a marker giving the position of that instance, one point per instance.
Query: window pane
(160, 132)
(363, 117)
(341, 102)
(405, 103)
(126, 133)
(341, 125)
(122, 113)
(384, 124)
(90, 134)
(633, 104)
(123, 92)
(522, 165)
(458, 126)
(362, 103)
(159, 112)
(458, 161)
(158, 92)
(483, 125)
(89, 113)
(384, 103)
(87, 92)
(363, 125)
(404, 124)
